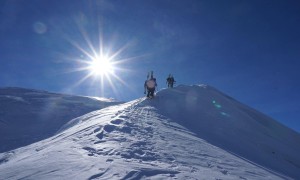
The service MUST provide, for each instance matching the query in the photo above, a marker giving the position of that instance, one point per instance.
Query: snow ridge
(233, 126)
(181, 134)
(27, 116)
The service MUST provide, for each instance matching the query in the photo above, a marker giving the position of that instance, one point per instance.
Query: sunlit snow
(188, 132)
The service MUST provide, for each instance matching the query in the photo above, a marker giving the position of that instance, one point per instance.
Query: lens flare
(99, 61)
(220, 108)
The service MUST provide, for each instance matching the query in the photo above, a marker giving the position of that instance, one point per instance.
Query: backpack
(151, 83)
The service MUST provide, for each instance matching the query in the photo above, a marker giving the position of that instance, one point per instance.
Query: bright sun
(101, 66)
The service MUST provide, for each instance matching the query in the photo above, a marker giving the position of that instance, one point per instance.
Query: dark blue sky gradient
(249, 50)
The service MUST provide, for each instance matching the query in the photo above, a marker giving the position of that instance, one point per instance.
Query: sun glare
(101, 66)
(102, 63)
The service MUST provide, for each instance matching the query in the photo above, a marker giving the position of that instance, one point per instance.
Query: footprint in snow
(126, 129)
(124, 116)
(100, 135)
(224, 172)
(97, 129)
(109, 127)
(109, 160)
(116, 121)
(98, 142)
(148, 173)
(91, 151)
(98, 175)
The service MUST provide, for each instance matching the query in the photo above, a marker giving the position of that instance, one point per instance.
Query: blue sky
(247, 49)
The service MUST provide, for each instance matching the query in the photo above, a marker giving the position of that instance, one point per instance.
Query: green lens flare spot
(225, 114)
(218, 106)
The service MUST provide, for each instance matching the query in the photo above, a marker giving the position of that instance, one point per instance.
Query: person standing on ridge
(170, 81)
(150, 85)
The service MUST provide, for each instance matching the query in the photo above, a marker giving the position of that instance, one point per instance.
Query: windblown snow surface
(188, 132)
(28, 116)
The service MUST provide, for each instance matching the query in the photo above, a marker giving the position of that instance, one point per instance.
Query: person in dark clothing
(170, 81)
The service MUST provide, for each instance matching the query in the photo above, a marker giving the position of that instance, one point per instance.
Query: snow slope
(27, 116)
(189, 132)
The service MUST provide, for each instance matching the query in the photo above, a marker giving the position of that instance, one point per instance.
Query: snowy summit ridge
(188, 132)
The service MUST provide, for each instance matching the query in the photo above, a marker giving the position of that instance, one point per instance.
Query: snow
(104, 99)
(16, 98)
(188, 132)
(27, 115)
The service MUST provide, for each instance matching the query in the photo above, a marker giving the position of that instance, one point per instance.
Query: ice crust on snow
(188, 132)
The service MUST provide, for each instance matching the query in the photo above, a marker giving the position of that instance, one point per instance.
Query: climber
(150, 85)
(170, 81)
